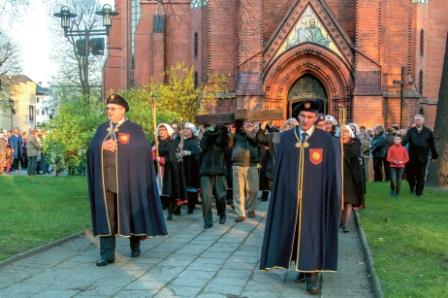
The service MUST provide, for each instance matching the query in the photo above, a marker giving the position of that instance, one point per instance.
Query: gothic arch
(326, 66)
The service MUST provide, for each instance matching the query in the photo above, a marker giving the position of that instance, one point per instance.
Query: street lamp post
(66, 15)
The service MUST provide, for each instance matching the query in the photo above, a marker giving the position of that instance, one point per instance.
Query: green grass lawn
(36, 210)
(409, 240)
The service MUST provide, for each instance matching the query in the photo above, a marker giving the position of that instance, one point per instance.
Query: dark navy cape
(317, 227)
(139, 209)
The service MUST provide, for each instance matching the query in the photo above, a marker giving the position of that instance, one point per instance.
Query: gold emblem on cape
(299, 145)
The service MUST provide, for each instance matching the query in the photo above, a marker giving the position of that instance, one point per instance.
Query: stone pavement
(190, 262)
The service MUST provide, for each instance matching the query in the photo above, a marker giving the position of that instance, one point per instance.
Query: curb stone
(39, 249)
(377, 289)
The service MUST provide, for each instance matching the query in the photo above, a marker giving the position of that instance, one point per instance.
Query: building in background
(23, 96)
(44, 105)
(6, 115)
(380, 60)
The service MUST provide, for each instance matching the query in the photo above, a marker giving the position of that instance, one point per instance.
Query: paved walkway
(190, 262)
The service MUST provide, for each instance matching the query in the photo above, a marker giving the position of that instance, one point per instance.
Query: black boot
(312, 284)
(265, 195)
(134, 243)
(170, 209)
(107, 251)
(192, 200)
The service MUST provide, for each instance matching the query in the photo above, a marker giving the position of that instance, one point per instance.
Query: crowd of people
(209, 160)
(22, 151)
(312, 171)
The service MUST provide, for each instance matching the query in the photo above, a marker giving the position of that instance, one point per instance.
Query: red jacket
(397, 156)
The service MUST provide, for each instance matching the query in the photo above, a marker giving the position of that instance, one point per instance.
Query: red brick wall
(432, 17)
(115, 74)
(368, 110)
(395, 41)
(223, 38)
(178, 33)
(274, 11)
(344, 10)
(144, 45)
(387, 35)
(199, 25)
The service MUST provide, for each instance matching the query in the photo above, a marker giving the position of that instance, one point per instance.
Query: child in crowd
(397, 156)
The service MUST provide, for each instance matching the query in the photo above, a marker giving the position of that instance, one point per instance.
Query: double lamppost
(85, 44)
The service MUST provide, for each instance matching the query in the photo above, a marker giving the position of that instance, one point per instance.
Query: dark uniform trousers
(217, 186)
(108, 243)
(415, 174)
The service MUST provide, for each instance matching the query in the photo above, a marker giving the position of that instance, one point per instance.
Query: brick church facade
(379, 59)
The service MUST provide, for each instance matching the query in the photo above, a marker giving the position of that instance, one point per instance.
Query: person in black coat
(420, 141)
(123, 192)
(353, 184)
(190, 158)
(213, 171)
(174, 190)
(378, 151)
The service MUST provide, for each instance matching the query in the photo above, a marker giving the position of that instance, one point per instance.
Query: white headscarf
(190, 126)
(331, 119)
(168, 127)
(350, 131)
(355, 128)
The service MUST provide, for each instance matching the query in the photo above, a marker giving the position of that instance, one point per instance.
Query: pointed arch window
(196, 45)
(196, 79)
(422, 42)
(420, 82)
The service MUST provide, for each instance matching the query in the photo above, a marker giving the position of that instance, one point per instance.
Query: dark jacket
(353, 174)
(173, 176)
(272, 140)
(214, 145)
(379, 149)
(191, 162)
(245, 149)
(420, 143)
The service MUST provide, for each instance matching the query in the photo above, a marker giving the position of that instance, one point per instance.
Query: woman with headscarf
(353, 193)
(173, 190)
(190, 157)
(362, 162)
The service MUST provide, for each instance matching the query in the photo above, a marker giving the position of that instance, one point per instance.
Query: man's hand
(110, 145)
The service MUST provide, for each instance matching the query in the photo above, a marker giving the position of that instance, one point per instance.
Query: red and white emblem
(316, 155)
(124, 138)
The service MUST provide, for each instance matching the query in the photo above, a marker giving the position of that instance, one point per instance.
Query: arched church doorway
(307, 87)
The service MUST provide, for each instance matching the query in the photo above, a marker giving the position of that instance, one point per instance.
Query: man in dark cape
(122, 186)
(303, 216)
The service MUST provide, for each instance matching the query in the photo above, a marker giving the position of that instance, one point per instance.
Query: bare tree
(9, 64)
(77, 70)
